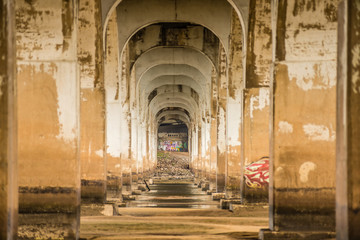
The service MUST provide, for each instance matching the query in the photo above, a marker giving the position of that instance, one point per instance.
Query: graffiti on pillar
(174, 146)
(257, 173)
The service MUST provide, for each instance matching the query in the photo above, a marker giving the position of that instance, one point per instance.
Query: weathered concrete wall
(256, 96)
(348, 122)
(234, 108)
(133, 130)
(8, 119)
(222, 85)
(302, 189)
(259, 44)
(113, 106)
(48, 115)
(213, 131)
(125, 123)
(256, 137)
(92, 102)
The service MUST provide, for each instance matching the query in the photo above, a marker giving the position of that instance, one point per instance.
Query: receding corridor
(180, 119)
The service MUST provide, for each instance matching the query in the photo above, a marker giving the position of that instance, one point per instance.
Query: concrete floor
(176, 211)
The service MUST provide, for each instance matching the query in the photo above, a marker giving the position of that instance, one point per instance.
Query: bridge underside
(266, 93)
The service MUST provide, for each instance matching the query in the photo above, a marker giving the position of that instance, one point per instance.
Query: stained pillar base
(267, 234)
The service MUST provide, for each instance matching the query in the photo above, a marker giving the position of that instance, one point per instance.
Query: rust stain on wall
(281, 31)
(67, 22)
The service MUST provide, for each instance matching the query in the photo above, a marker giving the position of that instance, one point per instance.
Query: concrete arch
(177, 105)
(170, 97)
(191, 36)
(172, 56)
(174, 114)
(240, 6)
(174, 70)
(170, 88)
(178, 111)
(172, 80)
(213, 14)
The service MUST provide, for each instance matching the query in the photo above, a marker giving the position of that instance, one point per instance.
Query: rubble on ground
(173, 165)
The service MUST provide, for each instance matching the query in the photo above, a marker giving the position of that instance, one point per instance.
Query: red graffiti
(257, 173)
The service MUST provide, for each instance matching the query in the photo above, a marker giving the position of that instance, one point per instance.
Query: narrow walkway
(174, 194)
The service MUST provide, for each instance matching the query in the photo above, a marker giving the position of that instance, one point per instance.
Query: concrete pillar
(48, 119)
(199, 174)
(113, 113)
(234, 109)
(348, 123)
(213, 131)
(222, 86)
(302, 177)
(134, 151)
(125, 123)
(256, 100)
(256, 141)
(92, 102)
(8, 119)
(207, 149)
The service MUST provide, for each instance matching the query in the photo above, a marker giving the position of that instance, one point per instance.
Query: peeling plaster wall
(259, 44)
(125, 123)
(213, 131)
(113, 114)
(48, 116)
(303, 118)
(256, 135)
(92, 102)
(134, 152)
(222, 85)
(234, 108)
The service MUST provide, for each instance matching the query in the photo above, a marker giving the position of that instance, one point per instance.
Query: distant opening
(173, 136)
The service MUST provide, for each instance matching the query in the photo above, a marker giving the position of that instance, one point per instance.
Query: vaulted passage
(118, 106)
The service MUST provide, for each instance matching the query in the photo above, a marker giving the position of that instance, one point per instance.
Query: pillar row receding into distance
(48, 118)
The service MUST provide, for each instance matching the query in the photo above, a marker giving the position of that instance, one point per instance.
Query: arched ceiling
(173, 56)
(174, 35)
(136, 14)
(173, 51)
(240, 6)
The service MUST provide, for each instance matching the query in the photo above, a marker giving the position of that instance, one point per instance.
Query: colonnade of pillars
(79, 120)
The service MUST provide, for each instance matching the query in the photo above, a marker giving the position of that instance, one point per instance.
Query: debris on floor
(173, 164)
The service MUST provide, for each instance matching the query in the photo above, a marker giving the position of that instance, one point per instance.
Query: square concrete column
(348, 123)
(125, 122)
(8, 119)
(213, 132)
(303, 121)
(222, 86)
(113, 112)
(234, 118)
(92, 102)
(48, 119)
(255, 145)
